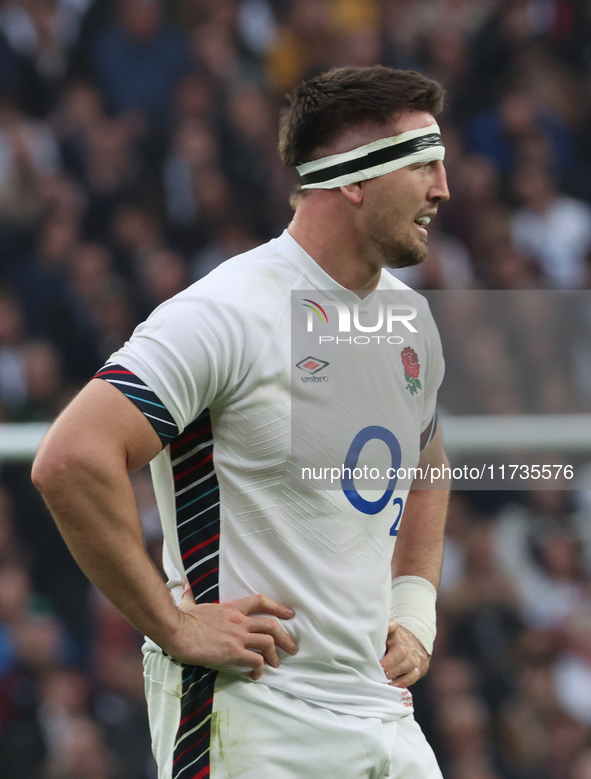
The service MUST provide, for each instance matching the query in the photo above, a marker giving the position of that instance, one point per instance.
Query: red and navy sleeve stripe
(147, 401)
(429, 432)
(197, 498)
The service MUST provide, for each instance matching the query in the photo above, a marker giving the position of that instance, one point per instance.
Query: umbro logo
(311, 365)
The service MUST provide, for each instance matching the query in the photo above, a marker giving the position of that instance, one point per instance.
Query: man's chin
(404, 256)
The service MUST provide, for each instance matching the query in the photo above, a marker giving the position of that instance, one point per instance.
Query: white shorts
(205, 723)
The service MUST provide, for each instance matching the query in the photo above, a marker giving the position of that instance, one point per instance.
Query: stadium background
(137, 151)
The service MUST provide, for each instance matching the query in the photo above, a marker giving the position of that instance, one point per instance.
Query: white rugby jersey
(211, 370)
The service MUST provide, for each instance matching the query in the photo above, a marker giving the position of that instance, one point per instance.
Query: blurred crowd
(138, 150)
(509, 692)
(514, 351)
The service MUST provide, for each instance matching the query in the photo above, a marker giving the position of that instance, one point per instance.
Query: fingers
(261, 604)
(405, 660)
(397, 657)
(265, 637)
(275, 631)
(256, 662)
(398, 665)
(226, 634)
(406, 679)
(395, 654)
(266, 646)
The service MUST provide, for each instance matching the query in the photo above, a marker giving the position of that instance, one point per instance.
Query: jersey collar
(299, 258)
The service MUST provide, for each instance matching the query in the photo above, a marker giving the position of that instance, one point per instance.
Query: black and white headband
(373, 159)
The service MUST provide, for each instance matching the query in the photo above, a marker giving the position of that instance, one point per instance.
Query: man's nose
(439, 191)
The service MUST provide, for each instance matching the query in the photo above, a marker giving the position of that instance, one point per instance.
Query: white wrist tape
(413, 606)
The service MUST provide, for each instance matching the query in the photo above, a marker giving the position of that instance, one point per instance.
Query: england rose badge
(412, 367)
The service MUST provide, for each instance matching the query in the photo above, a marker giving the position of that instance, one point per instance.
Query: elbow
(60, 463)
(50, 469)
(63, 465)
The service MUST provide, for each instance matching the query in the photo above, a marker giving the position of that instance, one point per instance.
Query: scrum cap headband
(373, 159)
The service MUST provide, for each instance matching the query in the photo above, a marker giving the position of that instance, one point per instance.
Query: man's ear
(353, 193)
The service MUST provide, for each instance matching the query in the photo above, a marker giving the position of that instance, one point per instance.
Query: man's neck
(334, 244)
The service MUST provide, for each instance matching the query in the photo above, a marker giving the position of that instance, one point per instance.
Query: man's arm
(419, 545)
(418, 552)
(81, 470)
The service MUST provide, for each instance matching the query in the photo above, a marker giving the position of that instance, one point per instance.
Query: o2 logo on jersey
(355, 499)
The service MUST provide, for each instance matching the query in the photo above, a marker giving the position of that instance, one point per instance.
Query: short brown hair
(343, 98)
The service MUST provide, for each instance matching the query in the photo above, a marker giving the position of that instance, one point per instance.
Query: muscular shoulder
(256, 283)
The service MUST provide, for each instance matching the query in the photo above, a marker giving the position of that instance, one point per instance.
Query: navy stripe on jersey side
(429, 432)
(142, 396)
(198, 527)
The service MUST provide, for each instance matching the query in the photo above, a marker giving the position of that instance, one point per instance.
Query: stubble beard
(400, 254)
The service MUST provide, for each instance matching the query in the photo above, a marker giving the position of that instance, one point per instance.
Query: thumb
(392, 627)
